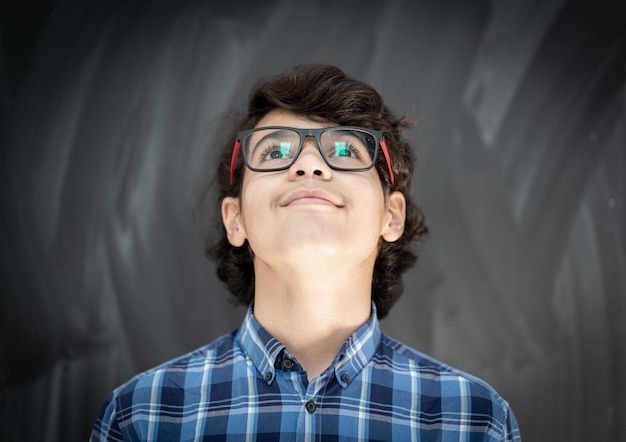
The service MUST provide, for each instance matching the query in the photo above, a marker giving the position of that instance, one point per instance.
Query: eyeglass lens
(277, 148)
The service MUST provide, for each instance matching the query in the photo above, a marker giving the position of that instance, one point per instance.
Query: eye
(345, 150)
(277, 151)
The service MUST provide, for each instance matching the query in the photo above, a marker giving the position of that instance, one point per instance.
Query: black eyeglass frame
(316, 133)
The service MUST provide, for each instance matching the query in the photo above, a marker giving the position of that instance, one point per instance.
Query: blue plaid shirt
(246, 386)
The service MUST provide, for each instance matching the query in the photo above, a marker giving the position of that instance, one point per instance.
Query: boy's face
(311, 212)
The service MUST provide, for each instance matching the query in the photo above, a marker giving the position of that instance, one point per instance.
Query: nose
(310, 162)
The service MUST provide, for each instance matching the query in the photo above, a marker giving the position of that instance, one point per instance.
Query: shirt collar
(263, 349)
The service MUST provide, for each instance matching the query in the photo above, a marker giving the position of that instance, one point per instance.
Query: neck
(312, 313)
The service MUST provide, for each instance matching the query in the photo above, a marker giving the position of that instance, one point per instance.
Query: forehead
(283, 117)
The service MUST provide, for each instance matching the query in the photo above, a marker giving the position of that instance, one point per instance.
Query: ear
(393, 226)
(231, 217)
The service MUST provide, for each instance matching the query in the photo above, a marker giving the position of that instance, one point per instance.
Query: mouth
(310, 197)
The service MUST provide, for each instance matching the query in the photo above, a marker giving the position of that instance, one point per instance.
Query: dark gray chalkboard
(107, 109)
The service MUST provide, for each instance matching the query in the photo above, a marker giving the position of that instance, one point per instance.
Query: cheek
(251, 211)
(256, 207)
(369, 196)
(369, 212)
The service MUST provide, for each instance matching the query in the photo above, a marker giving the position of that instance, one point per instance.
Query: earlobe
(231, 217)
(393, 227)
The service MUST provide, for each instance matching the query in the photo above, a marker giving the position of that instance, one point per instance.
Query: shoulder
(133, 407)
(447, 386)
(185, 370)
(405, 358)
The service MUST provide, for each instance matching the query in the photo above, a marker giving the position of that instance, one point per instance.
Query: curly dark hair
(323, 93)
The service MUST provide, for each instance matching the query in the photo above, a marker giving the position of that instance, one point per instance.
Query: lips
(310, 197)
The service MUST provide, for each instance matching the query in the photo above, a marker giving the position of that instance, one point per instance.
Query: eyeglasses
(274, 148)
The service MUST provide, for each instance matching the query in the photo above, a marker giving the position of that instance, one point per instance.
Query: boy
(317, 221)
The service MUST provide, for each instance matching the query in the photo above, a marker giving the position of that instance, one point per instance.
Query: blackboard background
(107, 109)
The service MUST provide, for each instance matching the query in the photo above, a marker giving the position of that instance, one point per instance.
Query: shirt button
(310, 406)
(345, 377)
(268, 376)
(287, 364)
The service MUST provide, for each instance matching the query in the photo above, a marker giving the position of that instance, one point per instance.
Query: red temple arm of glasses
(233, 160)
(383, 145)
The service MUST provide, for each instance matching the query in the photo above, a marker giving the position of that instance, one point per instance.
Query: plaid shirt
(246, 386)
